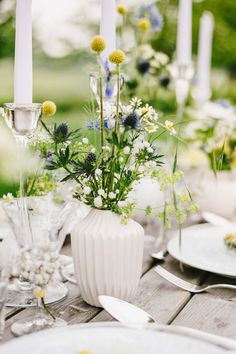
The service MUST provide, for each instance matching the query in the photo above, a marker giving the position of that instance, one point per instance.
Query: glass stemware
(22, 120)
(3, 298)
(40, 321)
(46, 219)
(43, 270)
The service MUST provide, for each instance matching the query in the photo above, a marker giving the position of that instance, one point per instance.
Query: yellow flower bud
(117, 57)
(98, 44)
(144, 24)
(49, 108)
(39, 294)
(122, 10)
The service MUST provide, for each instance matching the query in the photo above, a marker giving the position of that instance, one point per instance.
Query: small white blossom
(146, 144)
(93, 150)
(141, 169)
(102, 193)
(112, 195)
(98, 202)
(121, 204)
(38, 267)
(106, 148)
(150, 149)
(126, 150)
(98, 172)
(121, 159)
(85, 141)
(87, 190)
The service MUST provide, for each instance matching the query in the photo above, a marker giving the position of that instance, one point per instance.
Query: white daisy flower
(169, 125)
(151, 128)
(135, 102)
(7, 197)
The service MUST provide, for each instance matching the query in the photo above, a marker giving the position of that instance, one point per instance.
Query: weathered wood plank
(160, 298)
(213, 311)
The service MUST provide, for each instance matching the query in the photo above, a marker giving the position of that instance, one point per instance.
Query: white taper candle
(23, 53)
(184, 33)
(108, 26)
(203, 85)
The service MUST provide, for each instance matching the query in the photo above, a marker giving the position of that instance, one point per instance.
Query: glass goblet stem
(22, 143)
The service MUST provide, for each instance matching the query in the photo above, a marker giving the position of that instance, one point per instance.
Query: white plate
(68, 273)
(203, 248)
(112, 338)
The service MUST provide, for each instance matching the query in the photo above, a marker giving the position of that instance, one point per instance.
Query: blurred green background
(65, 79)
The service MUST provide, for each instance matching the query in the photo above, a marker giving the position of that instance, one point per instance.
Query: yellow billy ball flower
(122, 10)
(98, 44)
(39, 294)
(49, 108)
(144, 24)
(117, 57)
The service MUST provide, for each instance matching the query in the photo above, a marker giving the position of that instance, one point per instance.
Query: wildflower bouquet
(212, 131)
(147, 66)
(105, 173)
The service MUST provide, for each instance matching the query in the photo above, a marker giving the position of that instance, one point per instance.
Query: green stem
(116, 124)
(101, 107)
(117, 99)
(46, 309)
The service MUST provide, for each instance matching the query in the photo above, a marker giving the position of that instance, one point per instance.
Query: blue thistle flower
(95, 124)
(90, 159)
(131, 120)
(109, 86)
(223, 103)
(143, 65)
(155, 18)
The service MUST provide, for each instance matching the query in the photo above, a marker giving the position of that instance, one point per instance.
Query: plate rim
(222, 342)
(180, 259)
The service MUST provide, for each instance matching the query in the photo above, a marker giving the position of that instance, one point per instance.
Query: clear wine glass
(3, 297)
(40, 321)
(45, 221)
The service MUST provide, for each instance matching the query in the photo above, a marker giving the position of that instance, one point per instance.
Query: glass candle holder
(22, 119)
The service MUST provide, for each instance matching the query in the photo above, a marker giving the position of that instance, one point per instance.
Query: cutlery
(217, 220)
(192, 288)
(131, 315)
(161, 255)
(125, 312)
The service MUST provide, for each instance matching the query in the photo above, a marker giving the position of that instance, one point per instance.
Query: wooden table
(213, 312)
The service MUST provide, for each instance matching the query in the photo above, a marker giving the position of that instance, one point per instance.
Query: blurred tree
(7, 30)
(224, 46)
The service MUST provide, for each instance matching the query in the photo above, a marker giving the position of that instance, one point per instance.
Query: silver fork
(192, 288)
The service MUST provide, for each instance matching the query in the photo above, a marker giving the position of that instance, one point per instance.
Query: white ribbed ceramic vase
(107, 256)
